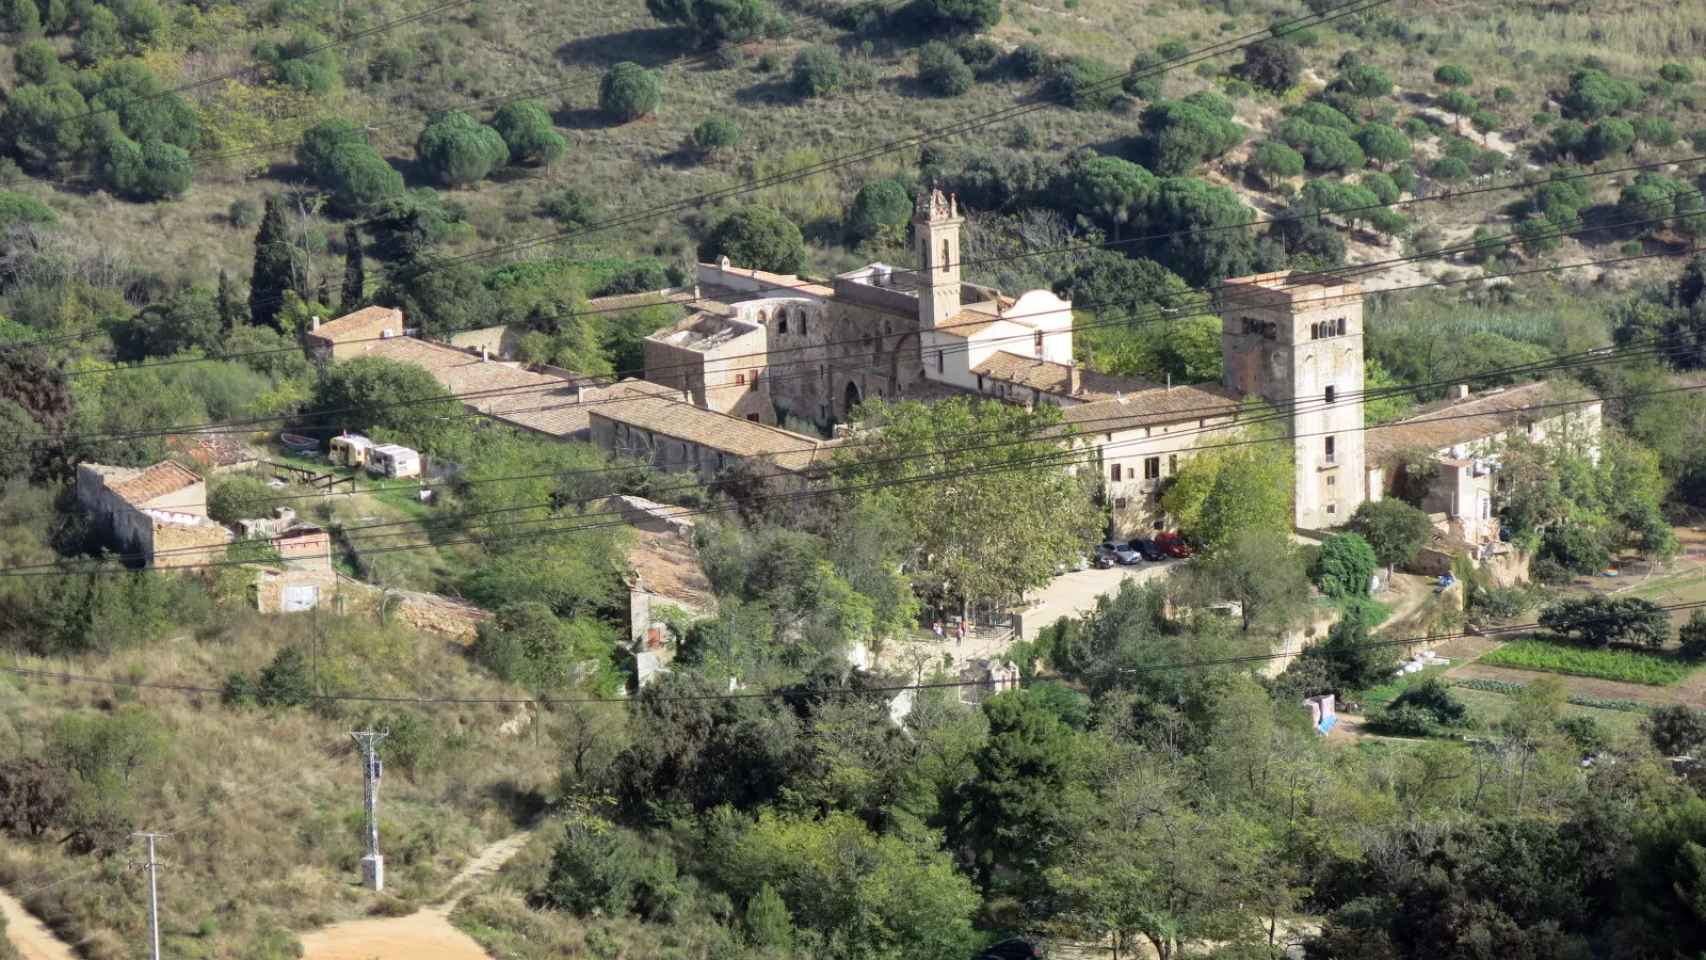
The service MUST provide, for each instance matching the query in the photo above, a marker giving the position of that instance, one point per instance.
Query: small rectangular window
(1037, 342)
(740, 379)
(753, 417)
(1114, 473)
(1119, 503)
(781, 324)
(1329, 449)
(1332, 481)
(941, 365)
(1330, 394)
(1332, 508)
(1172, 464)
(1152, 468)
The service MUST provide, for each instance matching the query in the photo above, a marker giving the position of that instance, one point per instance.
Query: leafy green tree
(1655, 202)
(1595, 94)
(959, 545)
(1609, 137)
(527, 132)
(1363, 82)
(1601, 621)
(1146, 80)
(1449, 170)
(716, 135)
(1692, 636)
(37, 62)
(184, 322)
(1110, 190)
(1184, 133)
(459, 150)
(44, 125)
(149, 171)
(1015, 810)
(628, 92)
(1452, 75)
(1209, 213)
(942, 70)
(305, 62)
(1273, 161)
(23, 19)
(99, 38)
(1083, 83)
(818, 72)
(354, 293)
(1263, 571)
(360, 180)
(527, 644)
(1383, 143)
(371, 393)
(1394, 529)
(972, 15)
(1675, 730)
(756, 238)
(767, 921)
(287, 681)
(275, 269)
(1655, 131)
(1344, 566)
(713, 22)
(600, 868)
(1351, 659)
(225, 303)
(861, 893)
(1218, 495)
(881, 206)
(1273, 64)
(238, 496)
(314, 153)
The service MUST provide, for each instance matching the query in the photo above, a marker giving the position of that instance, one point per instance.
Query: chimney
(1460, 392)
(314, 324)
(1075, 379)
(484, 356)
(580, 393)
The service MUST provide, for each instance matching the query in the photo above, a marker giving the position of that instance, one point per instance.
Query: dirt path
(32, 938)
(423, 935)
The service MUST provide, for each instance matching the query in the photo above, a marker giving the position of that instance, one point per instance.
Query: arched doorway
(852, 396)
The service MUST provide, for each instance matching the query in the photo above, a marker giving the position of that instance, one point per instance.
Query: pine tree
(355, 272)
(273, 276)
(226, 303)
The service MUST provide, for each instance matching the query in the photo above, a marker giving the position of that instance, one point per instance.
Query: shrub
(1381, 185)
(1183, 133)
(1452, 75)
(629, 92)
(1584, 733)
(19, 208)
(1324, 148)
(1575, 548)
(570, 207)
(1609, 137)
(878, 205)
(1501, 603)
(1692, 636)
(1084, 83)
(148, 171)
(1655, 131)
(526, 130)
(1485, 121)
(359, 179)
(1394, 530)
(1675, 730)
(1424, 707)
(1345, 565)
(942, 71)
(1676, 73)
(286, 681)
(715, 135)
(602, 868)
(1027, 61)
(1601, 621)
(238, 496)
(758, 238)
(978, 52)
(458, 150)
(243, 212)
(974, 15)
(818, 71)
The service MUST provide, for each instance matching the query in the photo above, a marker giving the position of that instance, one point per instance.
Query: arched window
(781, 321)
(1341, 326)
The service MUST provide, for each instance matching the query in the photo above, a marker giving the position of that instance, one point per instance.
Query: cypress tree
(226, 303)
(272, 276)
(355, 272)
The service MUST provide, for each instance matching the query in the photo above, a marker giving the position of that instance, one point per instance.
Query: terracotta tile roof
(667, 565)
(788, 280)
(1055, 378)
(1152, 406)
(152, 483)
(1449, 422)
(533, 401)
(715, 431)
(365, 322)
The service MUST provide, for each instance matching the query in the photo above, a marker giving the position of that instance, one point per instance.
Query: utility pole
(372, 865)
(152, 866)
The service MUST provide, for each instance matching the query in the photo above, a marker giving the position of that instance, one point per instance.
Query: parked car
(1076, 563)
(1102, 560)
(1173, 545)
(1121, 552)
(1148, 550)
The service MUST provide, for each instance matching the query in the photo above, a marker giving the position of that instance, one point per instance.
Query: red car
(1173, 545)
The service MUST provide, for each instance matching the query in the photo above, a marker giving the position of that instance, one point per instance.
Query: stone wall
(184, 545)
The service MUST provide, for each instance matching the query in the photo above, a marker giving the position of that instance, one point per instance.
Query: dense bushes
(715, 135)
(1083, 83)
(1345, 565)
(1601, 621)
(818, 72)
(878, 206)
(526, 130)
(1272, 64)
(1184, 133)
(942, 70)
(628, 92)
(1595, 93)
(712, 22)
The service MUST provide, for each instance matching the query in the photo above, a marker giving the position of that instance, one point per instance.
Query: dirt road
(423, 935)
(32, 938)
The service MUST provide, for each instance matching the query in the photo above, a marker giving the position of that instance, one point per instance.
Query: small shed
(393, 460)
(350, 450)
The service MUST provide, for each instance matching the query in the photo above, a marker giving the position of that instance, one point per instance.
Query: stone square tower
(1296, 342)
(936, 225)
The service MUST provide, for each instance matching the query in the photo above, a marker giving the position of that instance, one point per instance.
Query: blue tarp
(1327, 723)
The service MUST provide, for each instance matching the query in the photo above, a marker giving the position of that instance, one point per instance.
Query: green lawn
(1627, 666)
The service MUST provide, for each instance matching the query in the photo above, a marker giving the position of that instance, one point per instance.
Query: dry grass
(264, 806)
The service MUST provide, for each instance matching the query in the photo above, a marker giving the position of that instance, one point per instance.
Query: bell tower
(936, 229)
